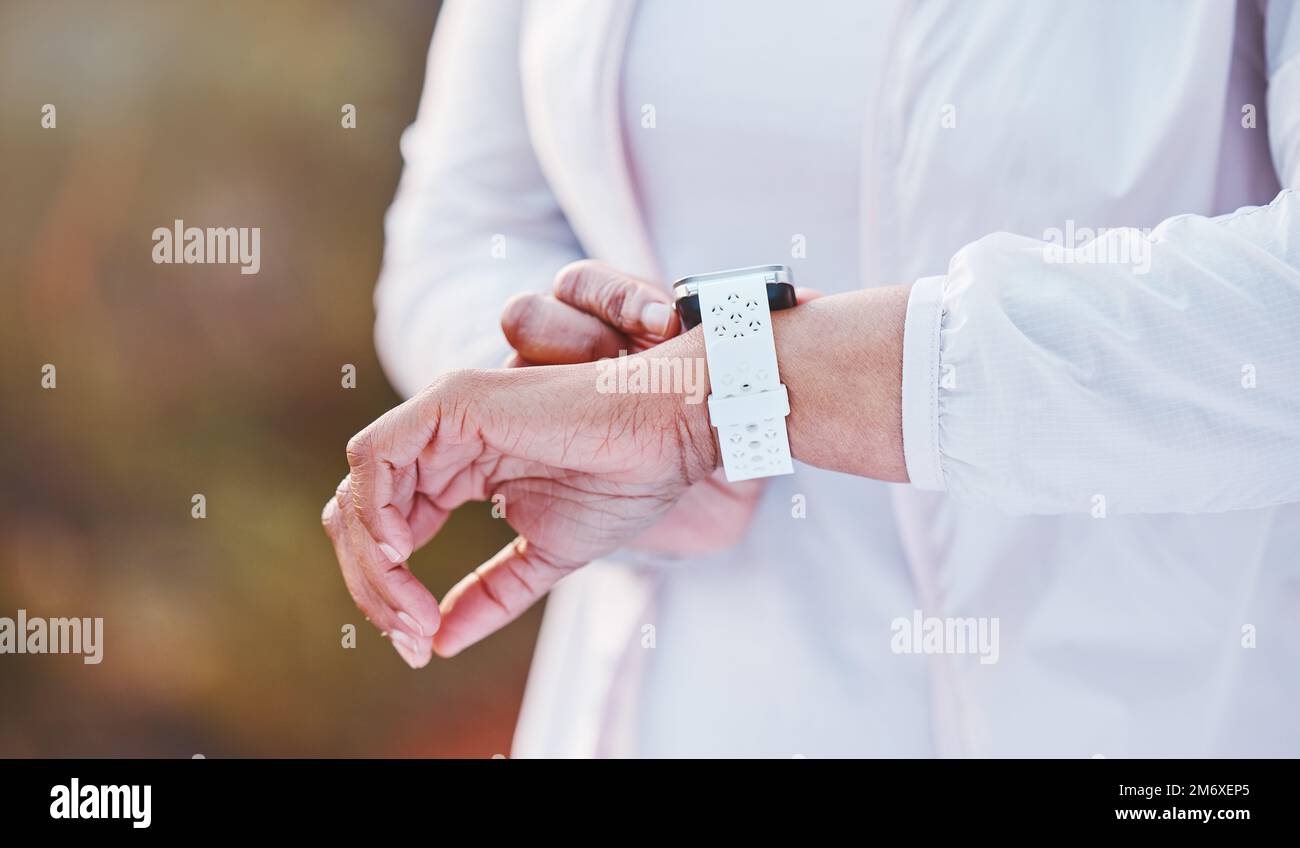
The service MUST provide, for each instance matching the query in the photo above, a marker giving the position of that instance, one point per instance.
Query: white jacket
(1104, 443)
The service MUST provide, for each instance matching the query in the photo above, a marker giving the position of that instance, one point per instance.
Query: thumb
(629, 305)
(495, 594)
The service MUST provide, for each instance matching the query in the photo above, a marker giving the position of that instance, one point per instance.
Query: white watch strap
(748, 404)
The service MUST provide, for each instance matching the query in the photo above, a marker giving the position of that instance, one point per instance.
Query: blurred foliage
(222, 635)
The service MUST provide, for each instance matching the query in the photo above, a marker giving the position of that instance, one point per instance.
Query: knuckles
(358, 449)
(598, 289)
(590, 282)
(613, 300)
(332, 516)
(518, 316)
(457, 386)
(573, 279)
(329, 517)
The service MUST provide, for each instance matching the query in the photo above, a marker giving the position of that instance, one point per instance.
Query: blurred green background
(222, 635)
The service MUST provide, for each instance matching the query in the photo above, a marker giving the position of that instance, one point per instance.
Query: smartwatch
(748, 403)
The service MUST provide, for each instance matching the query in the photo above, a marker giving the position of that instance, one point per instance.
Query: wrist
(683, 410)
(841, 359)
(695, 426)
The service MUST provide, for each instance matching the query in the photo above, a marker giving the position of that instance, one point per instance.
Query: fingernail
(654, 317)
(411, 623)
(390, 552)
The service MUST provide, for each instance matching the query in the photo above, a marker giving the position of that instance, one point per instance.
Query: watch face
(686, 291)
(780, 295)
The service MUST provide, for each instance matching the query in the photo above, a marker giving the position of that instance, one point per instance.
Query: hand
(581, 472)
(596, 311)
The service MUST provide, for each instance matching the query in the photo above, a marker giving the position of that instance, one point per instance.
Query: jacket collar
(571, 58)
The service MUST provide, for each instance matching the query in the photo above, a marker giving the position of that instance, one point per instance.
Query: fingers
(545, 331)
(389, 595)
(382, 465)
(495, 594)
(803, 294)
(391, 584)
(632, 306)
(373, 482)
(383, 514)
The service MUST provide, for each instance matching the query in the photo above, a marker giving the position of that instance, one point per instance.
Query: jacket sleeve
(474, 220)
(1042, 380)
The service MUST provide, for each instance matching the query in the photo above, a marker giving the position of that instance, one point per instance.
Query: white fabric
(1031, 387)
(1170, 392)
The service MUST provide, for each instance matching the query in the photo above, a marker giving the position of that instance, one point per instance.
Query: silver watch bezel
(690, 285)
